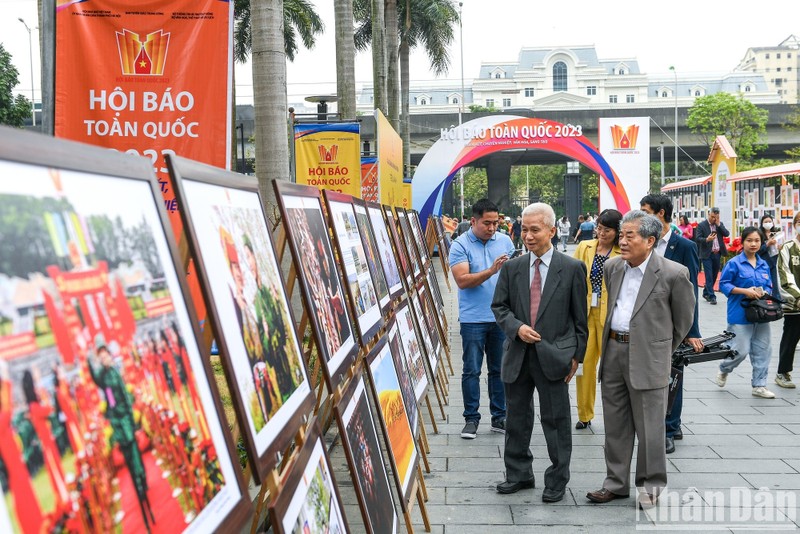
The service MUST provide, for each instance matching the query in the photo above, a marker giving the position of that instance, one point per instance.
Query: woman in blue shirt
(747, 275)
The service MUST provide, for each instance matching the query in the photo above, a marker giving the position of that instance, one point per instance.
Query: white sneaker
(763, 392)
(721, 379)
(784, 380)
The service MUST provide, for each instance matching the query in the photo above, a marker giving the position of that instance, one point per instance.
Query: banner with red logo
(624, 142)
(328, 156)
(369, 179)
(146, 77)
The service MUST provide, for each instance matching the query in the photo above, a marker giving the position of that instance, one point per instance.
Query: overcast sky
(694, 36)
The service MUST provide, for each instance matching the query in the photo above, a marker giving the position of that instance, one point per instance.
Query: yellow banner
(327, 156)
(390, 163)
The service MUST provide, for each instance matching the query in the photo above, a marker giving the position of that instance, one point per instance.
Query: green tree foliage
(739, 120)
(25, 245)
(13, 110)
(546, 185)
(477, 108)
(299, 18)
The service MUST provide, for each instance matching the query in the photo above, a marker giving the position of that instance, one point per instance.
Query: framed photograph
(433, 284)
(229, 238)
(396, 427)
(412, 350)
(309, 500)
(769, 197)
(358, 275)
(796, 200)
(419, 237)
(786, 197)
(441, 238)
(101, 367)
(370, 243)
(407, 238)
(403, 375)
(431, 350)
(401, 253)
(320, 282)
(429, 319)
(391, 270)
(365, 459)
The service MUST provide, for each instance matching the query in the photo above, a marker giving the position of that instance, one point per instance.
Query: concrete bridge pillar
(498, 173)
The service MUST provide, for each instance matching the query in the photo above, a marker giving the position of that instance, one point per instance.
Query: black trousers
(789, 340)
(556, 424)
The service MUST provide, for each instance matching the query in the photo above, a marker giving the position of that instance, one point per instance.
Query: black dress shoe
(603, 496)
(580, 425)
(513, 487)
(678, 434)
(551, 495)
(670, 445)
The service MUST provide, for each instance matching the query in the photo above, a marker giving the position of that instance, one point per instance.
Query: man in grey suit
(540, 304)
(651, 302)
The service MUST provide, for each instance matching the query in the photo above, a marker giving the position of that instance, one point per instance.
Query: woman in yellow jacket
(594, 253)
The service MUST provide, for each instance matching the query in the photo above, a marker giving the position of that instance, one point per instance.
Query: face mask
(767, 226)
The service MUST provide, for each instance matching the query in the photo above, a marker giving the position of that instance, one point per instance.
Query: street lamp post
(30, 48)
(461, 99)
(676, 121)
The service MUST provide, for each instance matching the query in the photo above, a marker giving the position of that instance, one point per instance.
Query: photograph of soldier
(274, 368)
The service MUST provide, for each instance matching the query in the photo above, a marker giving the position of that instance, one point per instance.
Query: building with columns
(572, 77)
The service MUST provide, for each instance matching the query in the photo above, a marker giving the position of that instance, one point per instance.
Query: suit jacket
(585, 252)
(702, 232)
(656, 328)
(561, 319)
(683, 251)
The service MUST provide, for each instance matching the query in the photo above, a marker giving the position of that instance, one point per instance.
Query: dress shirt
(661, 244)
(544, 266)
(626, 300)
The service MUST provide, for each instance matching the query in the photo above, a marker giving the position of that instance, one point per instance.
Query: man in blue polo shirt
(475, 261)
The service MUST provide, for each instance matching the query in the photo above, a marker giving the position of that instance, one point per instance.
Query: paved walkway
(732, 440)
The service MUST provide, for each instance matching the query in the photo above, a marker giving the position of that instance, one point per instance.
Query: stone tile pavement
(731, 440)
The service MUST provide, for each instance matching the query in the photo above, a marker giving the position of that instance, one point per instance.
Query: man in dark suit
(651, 302)
(709, 236)
(540, 304)
(678, 249)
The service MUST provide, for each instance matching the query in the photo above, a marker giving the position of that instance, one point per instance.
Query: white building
(574, 77)
(780, 66)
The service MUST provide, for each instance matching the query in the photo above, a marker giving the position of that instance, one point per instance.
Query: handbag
(763, 310)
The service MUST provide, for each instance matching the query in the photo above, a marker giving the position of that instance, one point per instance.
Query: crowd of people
(614, 312)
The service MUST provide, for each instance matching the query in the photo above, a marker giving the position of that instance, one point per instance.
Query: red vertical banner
(150, 78)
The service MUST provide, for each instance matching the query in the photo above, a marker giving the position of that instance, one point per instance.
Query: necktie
(536, 290)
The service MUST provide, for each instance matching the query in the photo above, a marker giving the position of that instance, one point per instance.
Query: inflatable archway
(460, 145)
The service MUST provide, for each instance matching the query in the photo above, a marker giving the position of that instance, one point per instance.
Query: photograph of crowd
(355, 263)
(307, 233)
(107, 417)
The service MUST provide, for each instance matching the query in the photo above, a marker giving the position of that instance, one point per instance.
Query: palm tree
(426, 23)
(379, 56)
(392, 67)
(345, 59)
(299, 17)
(269, 98)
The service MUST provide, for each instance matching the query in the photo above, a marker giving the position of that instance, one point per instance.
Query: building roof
(721, 143)
(685, 184)
(766, 172)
